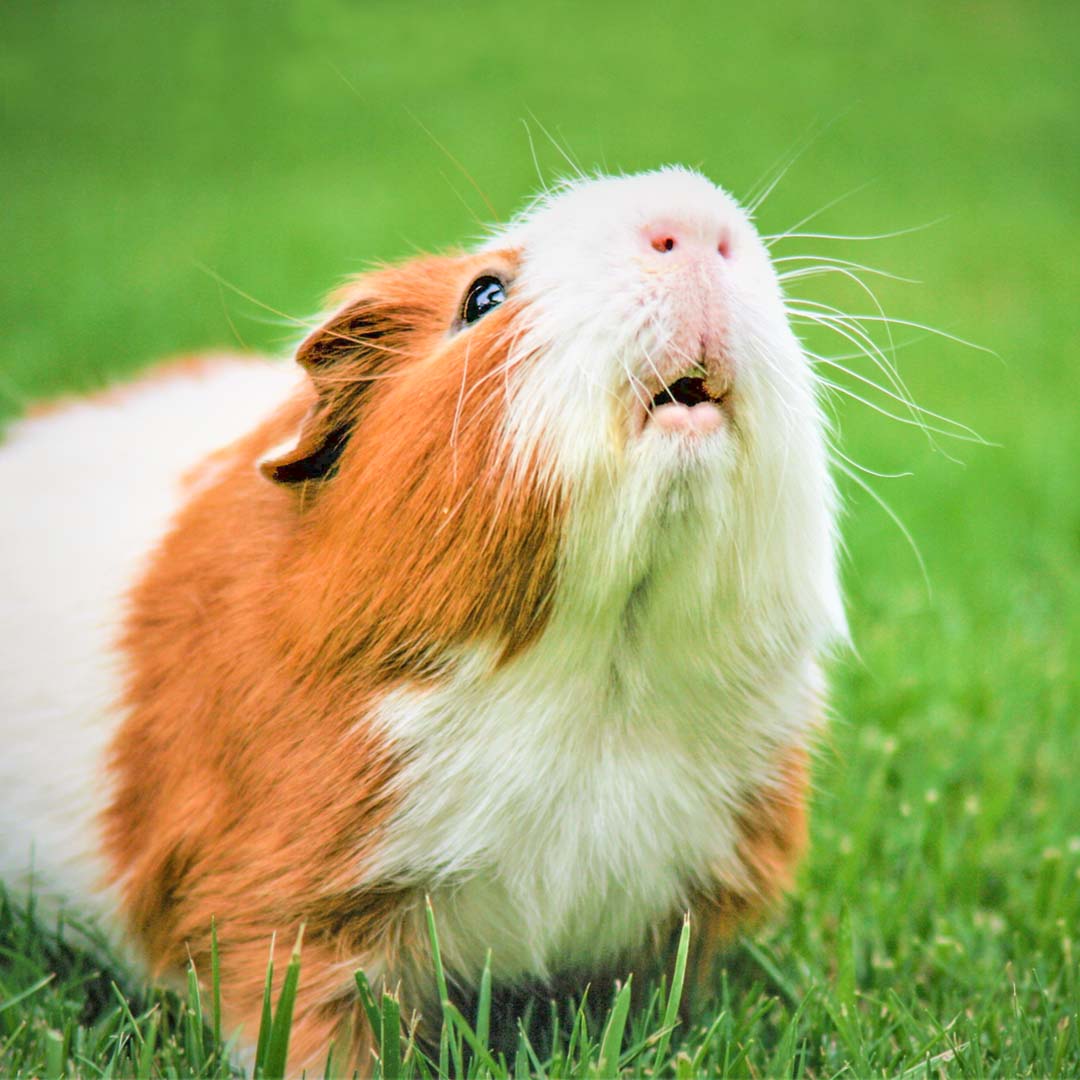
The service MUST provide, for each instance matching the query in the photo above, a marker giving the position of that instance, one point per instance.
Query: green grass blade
(538, 1071)
(706, 1042)
(787, 1048)
(215, 982)
(412, 1060)
(471, 1037)
(842, 1006)
(125, 1008)
(1061, 1046)
(15, 999)
(277, 1049)
(446, 1040)
(483, 1003)
(578, 1030)
(390, 1037)
(193, 1021)
(54, 1055)
(790, 991)
(371, 1010)
(145, 1066)
(521, 1059)
(422, 1063)
(611, 1043)
(674, 1000)
(266, 1019)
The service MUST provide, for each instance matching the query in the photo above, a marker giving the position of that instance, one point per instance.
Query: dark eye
(484, 294)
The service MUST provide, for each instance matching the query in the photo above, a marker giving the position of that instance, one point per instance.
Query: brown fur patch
(249, 786)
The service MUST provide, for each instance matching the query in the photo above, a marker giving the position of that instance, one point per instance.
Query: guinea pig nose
(693, 239)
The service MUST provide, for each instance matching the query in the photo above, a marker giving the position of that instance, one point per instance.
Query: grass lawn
(153, 152)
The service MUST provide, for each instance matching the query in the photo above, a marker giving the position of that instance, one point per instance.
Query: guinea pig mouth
(687, 391)
(687, 406)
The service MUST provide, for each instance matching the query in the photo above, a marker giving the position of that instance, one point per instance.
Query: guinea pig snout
(685, 365)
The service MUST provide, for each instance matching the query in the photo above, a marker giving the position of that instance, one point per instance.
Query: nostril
(663, 243)
(724, 247)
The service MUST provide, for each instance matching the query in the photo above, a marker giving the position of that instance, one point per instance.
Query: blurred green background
(282, 146)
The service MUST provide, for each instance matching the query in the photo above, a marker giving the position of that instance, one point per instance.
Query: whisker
(574, 166)
(848, 334)
(304, 324)
(927, 330)
(532, 152)
(635, 383)
(785, 163)
(228, 317)
(757, 201)
(512, 359)
(341, 75)
(777, 237)
(453, 161)
(292, 320)
(852, 276)
(900, 345)
(891, 371)
(569, 150)
(857, 336)
(343, 379)
(870, 472)
(856, 479)
(464, 202)
(911, 404)
(817, 213)
(922, 425)
(457, 409)
(828, 263)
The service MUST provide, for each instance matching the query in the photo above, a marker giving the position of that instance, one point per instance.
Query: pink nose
(666, 238)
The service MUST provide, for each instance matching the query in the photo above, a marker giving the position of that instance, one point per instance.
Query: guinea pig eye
(484, 293)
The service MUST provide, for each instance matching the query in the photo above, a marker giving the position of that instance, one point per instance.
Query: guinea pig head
(605, 392)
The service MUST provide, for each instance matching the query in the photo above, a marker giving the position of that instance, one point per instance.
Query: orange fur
(248, 787)
(773, 831)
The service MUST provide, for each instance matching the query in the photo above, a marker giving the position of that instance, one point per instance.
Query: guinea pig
(513, 594)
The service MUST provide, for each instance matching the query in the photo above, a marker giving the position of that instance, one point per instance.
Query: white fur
(560, 806)
(90, 489)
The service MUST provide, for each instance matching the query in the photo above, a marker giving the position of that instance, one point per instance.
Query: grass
(933, 928)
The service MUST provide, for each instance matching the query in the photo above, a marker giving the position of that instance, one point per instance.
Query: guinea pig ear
(313, 456)
(344, 358)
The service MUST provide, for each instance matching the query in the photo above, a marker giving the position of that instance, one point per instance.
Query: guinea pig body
(516, 600)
